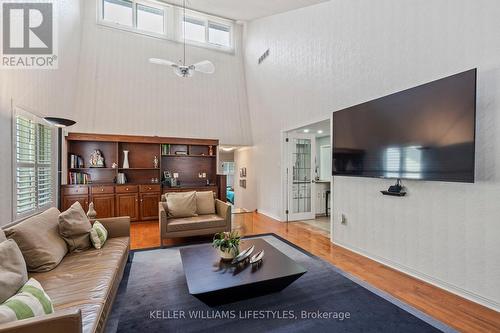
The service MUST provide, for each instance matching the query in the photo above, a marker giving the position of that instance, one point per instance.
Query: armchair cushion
(181, 204)
(195, 223)
(2, 236)
(205, 203)
(39, 240)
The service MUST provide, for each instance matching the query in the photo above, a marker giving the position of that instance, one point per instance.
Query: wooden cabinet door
(104, 205)
(69, 200)
(149, 206)
(128, 205)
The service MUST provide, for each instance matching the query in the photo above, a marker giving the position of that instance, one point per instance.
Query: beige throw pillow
(181, 204)
(74, 227)
(205, 203)
(13, 273)
(39, 240)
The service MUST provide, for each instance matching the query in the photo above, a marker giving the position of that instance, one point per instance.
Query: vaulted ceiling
(245, 10)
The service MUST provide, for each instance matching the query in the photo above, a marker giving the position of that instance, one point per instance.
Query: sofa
(82, 287)
(202, 224)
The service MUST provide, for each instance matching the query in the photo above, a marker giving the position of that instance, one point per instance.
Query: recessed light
(306, 131)
(227, 149)
(320, 132)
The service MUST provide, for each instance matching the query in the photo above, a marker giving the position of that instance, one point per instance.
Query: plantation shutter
(44, 166)
(34, 182)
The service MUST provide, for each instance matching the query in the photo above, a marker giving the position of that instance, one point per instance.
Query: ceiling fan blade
(205, 67)
(162, 62)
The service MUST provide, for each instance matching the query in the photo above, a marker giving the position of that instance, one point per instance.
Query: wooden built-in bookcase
(139, 197)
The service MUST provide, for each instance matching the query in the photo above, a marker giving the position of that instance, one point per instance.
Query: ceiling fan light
(183, 71)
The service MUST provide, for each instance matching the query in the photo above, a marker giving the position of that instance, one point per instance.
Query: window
(219, 34)
(195, 29)
(150, 19)
(118, 11)
(34, 172)
(161, 20)
(229, 172)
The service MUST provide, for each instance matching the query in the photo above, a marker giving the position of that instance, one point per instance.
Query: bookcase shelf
(200, 158)
(139, 197)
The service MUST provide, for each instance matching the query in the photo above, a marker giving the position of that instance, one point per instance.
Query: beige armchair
(197, 225)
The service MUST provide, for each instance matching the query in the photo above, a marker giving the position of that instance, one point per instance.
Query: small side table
(236, 212)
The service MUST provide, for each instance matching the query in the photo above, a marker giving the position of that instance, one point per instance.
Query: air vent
(263, 56)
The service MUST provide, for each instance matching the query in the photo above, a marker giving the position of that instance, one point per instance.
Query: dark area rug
(154, 297)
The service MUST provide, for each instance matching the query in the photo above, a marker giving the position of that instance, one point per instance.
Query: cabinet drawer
(75, 190)
(149, 188)
(104, 189)
(127, 189)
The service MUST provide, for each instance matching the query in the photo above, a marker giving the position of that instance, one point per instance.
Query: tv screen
(423, 133)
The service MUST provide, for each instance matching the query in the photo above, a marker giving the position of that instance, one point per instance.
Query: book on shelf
(75, 161)
(79, 178)
(165, 149)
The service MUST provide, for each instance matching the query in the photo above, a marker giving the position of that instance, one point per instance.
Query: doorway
(308, 161)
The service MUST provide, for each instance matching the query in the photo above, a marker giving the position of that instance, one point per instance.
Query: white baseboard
(489, 303)
(274, 217)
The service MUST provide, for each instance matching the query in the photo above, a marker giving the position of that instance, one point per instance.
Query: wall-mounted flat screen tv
(423, 133)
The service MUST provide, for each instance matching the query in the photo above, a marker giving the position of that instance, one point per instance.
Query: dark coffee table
(217, 282)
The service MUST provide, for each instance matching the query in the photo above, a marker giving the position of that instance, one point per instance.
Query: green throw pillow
(30, 301)
(98, 235)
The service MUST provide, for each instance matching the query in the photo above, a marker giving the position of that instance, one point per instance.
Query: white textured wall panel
(120, 92)
(329, 56)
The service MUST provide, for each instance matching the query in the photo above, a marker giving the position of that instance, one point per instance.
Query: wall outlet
(342, 219)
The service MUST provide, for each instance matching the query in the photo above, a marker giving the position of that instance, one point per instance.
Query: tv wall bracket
(397, 190)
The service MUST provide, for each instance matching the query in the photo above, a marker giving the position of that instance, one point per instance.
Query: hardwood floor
(457, 312)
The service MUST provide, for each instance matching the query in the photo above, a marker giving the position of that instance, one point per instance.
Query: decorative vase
(125, 159)
(91, 214)
(227, 254)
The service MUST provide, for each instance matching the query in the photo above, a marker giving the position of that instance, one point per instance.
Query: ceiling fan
(181, 69)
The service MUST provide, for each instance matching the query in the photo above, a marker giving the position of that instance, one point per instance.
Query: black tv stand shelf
(394, 194)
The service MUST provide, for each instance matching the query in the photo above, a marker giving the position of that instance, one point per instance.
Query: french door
(300, 156)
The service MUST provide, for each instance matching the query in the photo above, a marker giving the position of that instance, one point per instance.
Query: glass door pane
(301, 176)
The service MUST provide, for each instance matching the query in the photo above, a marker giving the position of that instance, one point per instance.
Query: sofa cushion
(39, 240)
(181, 204)
(74, 227)
(2, 236)
(195, 223)
(88, 281)
(30, 301)
(98, 235)
(13, 273)
(205, 203)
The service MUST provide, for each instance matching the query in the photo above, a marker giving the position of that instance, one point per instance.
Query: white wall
(340, 53)
(321, 141)
(120, 92)
(45, 92)
(106, 84)
(245, 197)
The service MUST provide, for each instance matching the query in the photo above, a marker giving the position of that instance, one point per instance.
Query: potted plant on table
(227, 243)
